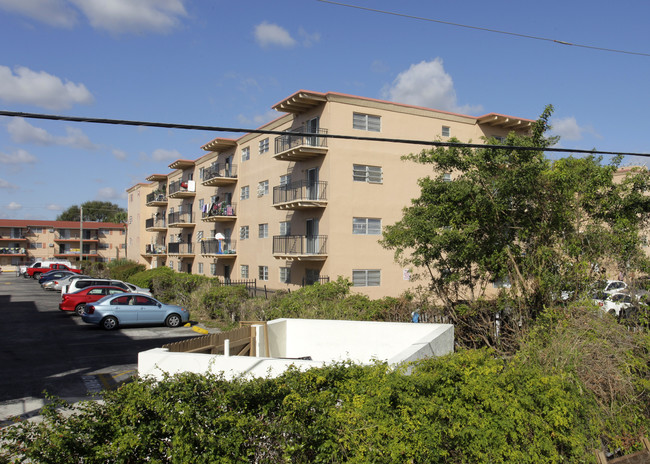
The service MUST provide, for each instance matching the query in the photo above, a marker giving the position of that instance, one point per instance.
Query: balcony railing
(153, 223)
(155, 249)
(86, 236)
(176, 248)
(220, 174)
(13, 251)
(180, 218)
(221, 211)
(300, 246)
(301, 194)
(182, 188)
(156, 198)
(212, 246)
(295, 147)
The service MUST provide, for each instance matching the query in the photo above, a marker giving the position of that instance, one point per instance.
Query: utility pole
(81, 234)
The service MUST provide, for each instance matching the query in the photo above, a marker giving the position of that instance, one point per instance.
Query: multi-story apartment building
(291, 209)
(26, 240)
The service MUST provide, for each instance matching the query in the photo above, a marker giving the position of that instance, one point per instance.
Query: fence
(241, 342)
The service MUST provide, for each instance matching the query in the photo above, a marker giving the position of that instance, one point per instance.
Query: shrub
(123, 269)
(224, 302)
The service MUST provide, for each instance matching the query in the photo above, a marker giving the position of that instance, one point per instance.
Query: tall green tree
(102, 211)
(511, 214)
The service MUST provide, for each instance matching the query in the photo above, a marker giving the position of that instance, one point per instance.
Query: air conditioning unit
(51, 245)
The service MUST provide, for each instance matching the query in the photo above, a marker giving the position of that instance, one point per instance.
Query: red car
(77, 301)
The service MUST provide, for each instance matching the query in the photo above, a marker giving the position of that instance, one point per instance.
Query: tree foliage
(511, 214)
(101, 211)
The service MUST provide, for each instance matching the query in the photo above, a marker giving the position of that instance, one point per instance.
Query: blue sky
(225, 63)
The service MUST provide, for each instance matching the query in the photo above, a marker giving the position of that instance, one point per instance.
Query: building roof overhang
(182, 164)
(500, 120)
(157, 177)
(300, 102)
(219, 144)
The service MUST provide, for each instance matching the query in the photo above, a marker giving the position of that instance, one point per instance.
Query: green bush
(123, 269)
(224, 302)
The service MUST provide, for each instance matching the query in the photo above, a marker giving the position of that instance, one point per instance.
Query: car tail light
(90, 309)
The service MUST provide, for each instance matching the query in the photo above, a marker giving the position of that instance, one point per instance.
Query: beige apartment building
(296, 207)
(25, 241)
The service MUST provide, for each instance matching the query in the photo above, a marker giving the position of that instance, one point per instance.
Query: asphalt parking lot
(45, 349)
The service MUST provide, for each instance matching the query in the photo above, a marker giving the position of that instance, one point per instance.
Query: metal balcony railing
(156, 196)
(220, 209)
(220, 170)
(300, 244)
(153, 223)
(179, 218)
(152, 249)
(289, 141)
(301, 190)
(12, 251)
(213, 246)
(180, 186)
(176, 248)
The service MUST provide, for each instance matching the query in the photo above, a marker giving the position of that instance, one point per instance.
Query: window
(366, 226)
(243, 232)
(201, 203)
(244, 193)
(263, 231)
(285, 180)
(285, 275)
(370, 174)
(263, 188)
(446, 177)
(243, 271)
(285, 228)
(245, 154)
(200, 268)
(264, 145)
(213, 269)
(446, 131)
(366, 277)
(263, 272)
(366, 122)
(171, 264)
(201, 172)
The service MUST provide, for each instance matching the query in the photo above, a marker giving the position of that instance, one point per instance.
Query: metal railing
(178, 186)
(301, 190)
(156, 196)
(179, 218)
(289, 141)
(213, 246)
(220, 170)
(156, 249)
(176, 248)
(153, 222)
(13, 251)
(220, 209)
(300, 244)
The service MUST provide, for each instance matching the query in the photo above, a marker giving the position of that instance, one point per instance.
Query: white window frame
(366, 277)
(366, 226)
(243, 233)
(263, 230)
(285, 180)
(446, 131)
(367, 173)
(213, 269)
(244, 193)
(200, 268)
(243, 271)
(262, 188)
(366, 122)
(285, 228)
(245, 154)
(285, 275)
(264, 146)
(263, 273)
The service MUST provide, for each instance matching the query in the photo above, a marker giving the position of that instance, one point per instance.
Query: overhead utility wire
(496, 31)
(123, 122)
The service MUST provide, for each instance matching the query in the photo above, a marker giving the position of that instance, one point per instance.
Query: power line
(124, 122)
(485, 29)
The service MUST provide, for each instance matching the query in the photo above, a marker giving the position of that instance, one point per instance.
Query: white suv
(78, 284)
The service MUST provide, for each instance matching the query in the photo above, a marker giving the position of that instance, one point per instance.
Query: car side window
(143, 300)
(96, 291)
(113, 291)
(120, 300)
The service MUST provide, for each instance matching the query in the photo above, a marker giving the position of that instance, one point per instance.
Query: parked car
(57, 284)
(610, 286)
(77, 301)
(83, 283)
(113, 311)
(615, 303)
(53, 275)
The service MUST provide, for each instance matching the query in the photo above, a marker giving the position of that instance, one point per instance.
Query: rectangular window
(245, 154)
(285, 180)
(263, 188)
(245, 190)
(366, 226)
(200, 268)
(446, 177)
(366, 277)
(285, 228)
(366, 122)
(263, 272)
(263, 231)
(264, 145)
(243, 271)
(201, 203)
(243, 232)
(370, 174)
(213, 269)
(446, 131)
(171, 264)
(285, 275)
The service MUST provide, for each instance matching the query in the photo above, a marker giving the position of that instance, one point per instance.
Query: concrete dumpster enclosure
(307, 343)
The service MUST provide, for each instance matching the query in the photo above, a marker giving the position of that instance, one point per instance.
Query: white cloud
(308, 39)
(18, 157)
(427, 84)
(54, 207)
(267, 35)
(569, 129)
(23, 132)
(161, 154)
(119, 154)
(258, 119)
(129, 16)
(13, 206)
(40, 89)
(53, 12)
(109, 193)
(6, 185)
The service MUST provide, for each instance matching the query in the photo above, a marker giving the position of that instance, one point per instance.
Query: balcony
(17, 239)
(156, 199)
(180, 249)
(152, 249)
(220, 212)
(87, 237)
(300, 195)
(292, 147)
(180, 220)
(155, 225)
(219, 175)
(225, 248)
(300, 247)
(13, 251)
(182, 189)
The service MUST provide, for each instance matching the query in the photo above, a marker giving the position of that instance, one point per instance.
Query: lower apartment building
(298, 207)
(25, 241)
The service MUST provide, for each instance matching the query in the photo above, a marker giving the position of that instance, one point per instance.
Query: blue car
(113, 311)
(53, 275)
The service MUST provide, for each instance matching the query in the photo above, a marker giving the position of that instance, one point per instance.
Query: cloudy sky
(225, 63)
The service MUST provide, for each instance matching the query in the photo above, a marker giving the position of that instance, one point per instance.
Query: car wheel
(173, 320)
(109, 323)
(79, 309)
